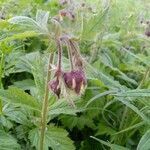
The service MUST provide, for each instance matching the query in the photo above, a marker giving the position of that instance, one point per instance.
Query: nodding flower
(54, 86)
(147, 33)
(67, 13)
(63, 2)
(75, 79)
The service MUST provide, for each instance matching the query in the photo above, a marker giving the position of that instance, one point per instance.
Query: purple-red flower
(55, 87)
(67, 13)
(147, 33)
(75, 80)
(63, 2)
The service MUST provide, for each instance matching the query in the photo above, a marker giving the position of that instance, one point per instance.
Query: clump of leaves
(112, 112)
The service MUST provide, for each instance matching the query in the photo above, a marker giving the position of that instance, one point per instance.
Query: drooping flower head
(54, 86)
(75, 80)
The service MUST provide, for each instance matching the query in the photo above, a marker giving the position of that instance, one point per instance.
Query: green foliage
(7, 142)
(113, 113)
(112, 146)
(56, 138)
(144, 142)
(19, 97)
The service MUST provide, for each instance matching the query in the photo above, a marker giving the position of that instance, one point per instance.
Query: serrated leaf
(104, 129)
(35, 64)
(144, 143)
(7, 142)
(24, 21)
(30, 24)
(5, 122)
(19, 97)
(79, 122)
(62, 107)
(19, 36)
(26, 84)
(56, 138)
(42, 19)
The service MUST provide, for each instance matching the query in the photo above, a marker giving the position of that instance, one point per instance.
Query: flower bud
(75, 80)
(67, 13)
(147, 33)
(63, 2)
(54, 87)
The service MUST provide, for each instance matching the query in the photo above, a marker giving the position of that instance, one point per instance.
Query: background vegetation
(114, 111)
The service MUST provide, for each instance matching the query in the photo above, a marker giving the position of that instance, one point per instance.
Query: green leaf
(99, 96)
(104, 129)
(131, 128)
(112, 146)
(42, 19)
(56, 138)
(19, 36)
(134, 108)
(94, 24)
(26, 84)
(62, 107)
(24, 21)
(144, 143)
(5, 122)
(39, 26)
(79, 122)
(19, 97)
(7, 142)
(135, 93)
(35, 64)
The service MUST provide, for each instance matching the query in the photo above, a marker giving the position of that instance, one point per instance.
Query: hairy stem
(72, 44)
(45, 104)
(70, 54)
(1, 70)
(59, 46)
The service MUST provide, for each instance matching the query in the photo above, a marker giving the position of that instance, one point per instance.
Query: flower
(63, 2)
(67, 13)
(75, 80)
(55, 87)
(147, 33)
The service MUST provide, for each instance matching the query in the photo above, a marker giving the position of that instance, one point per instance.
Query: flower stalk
(45, 104)
(70, 55)
(59, 46)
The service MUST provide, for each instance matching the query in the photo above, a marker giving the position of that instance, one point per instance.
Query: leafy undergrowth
(113, 112)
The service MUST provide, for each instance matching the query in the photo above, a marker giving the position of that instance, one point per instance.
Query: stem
(74, 47)
(70, 54)
(59, 53)
(45, 104)
(1, 70)
(76, 53)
